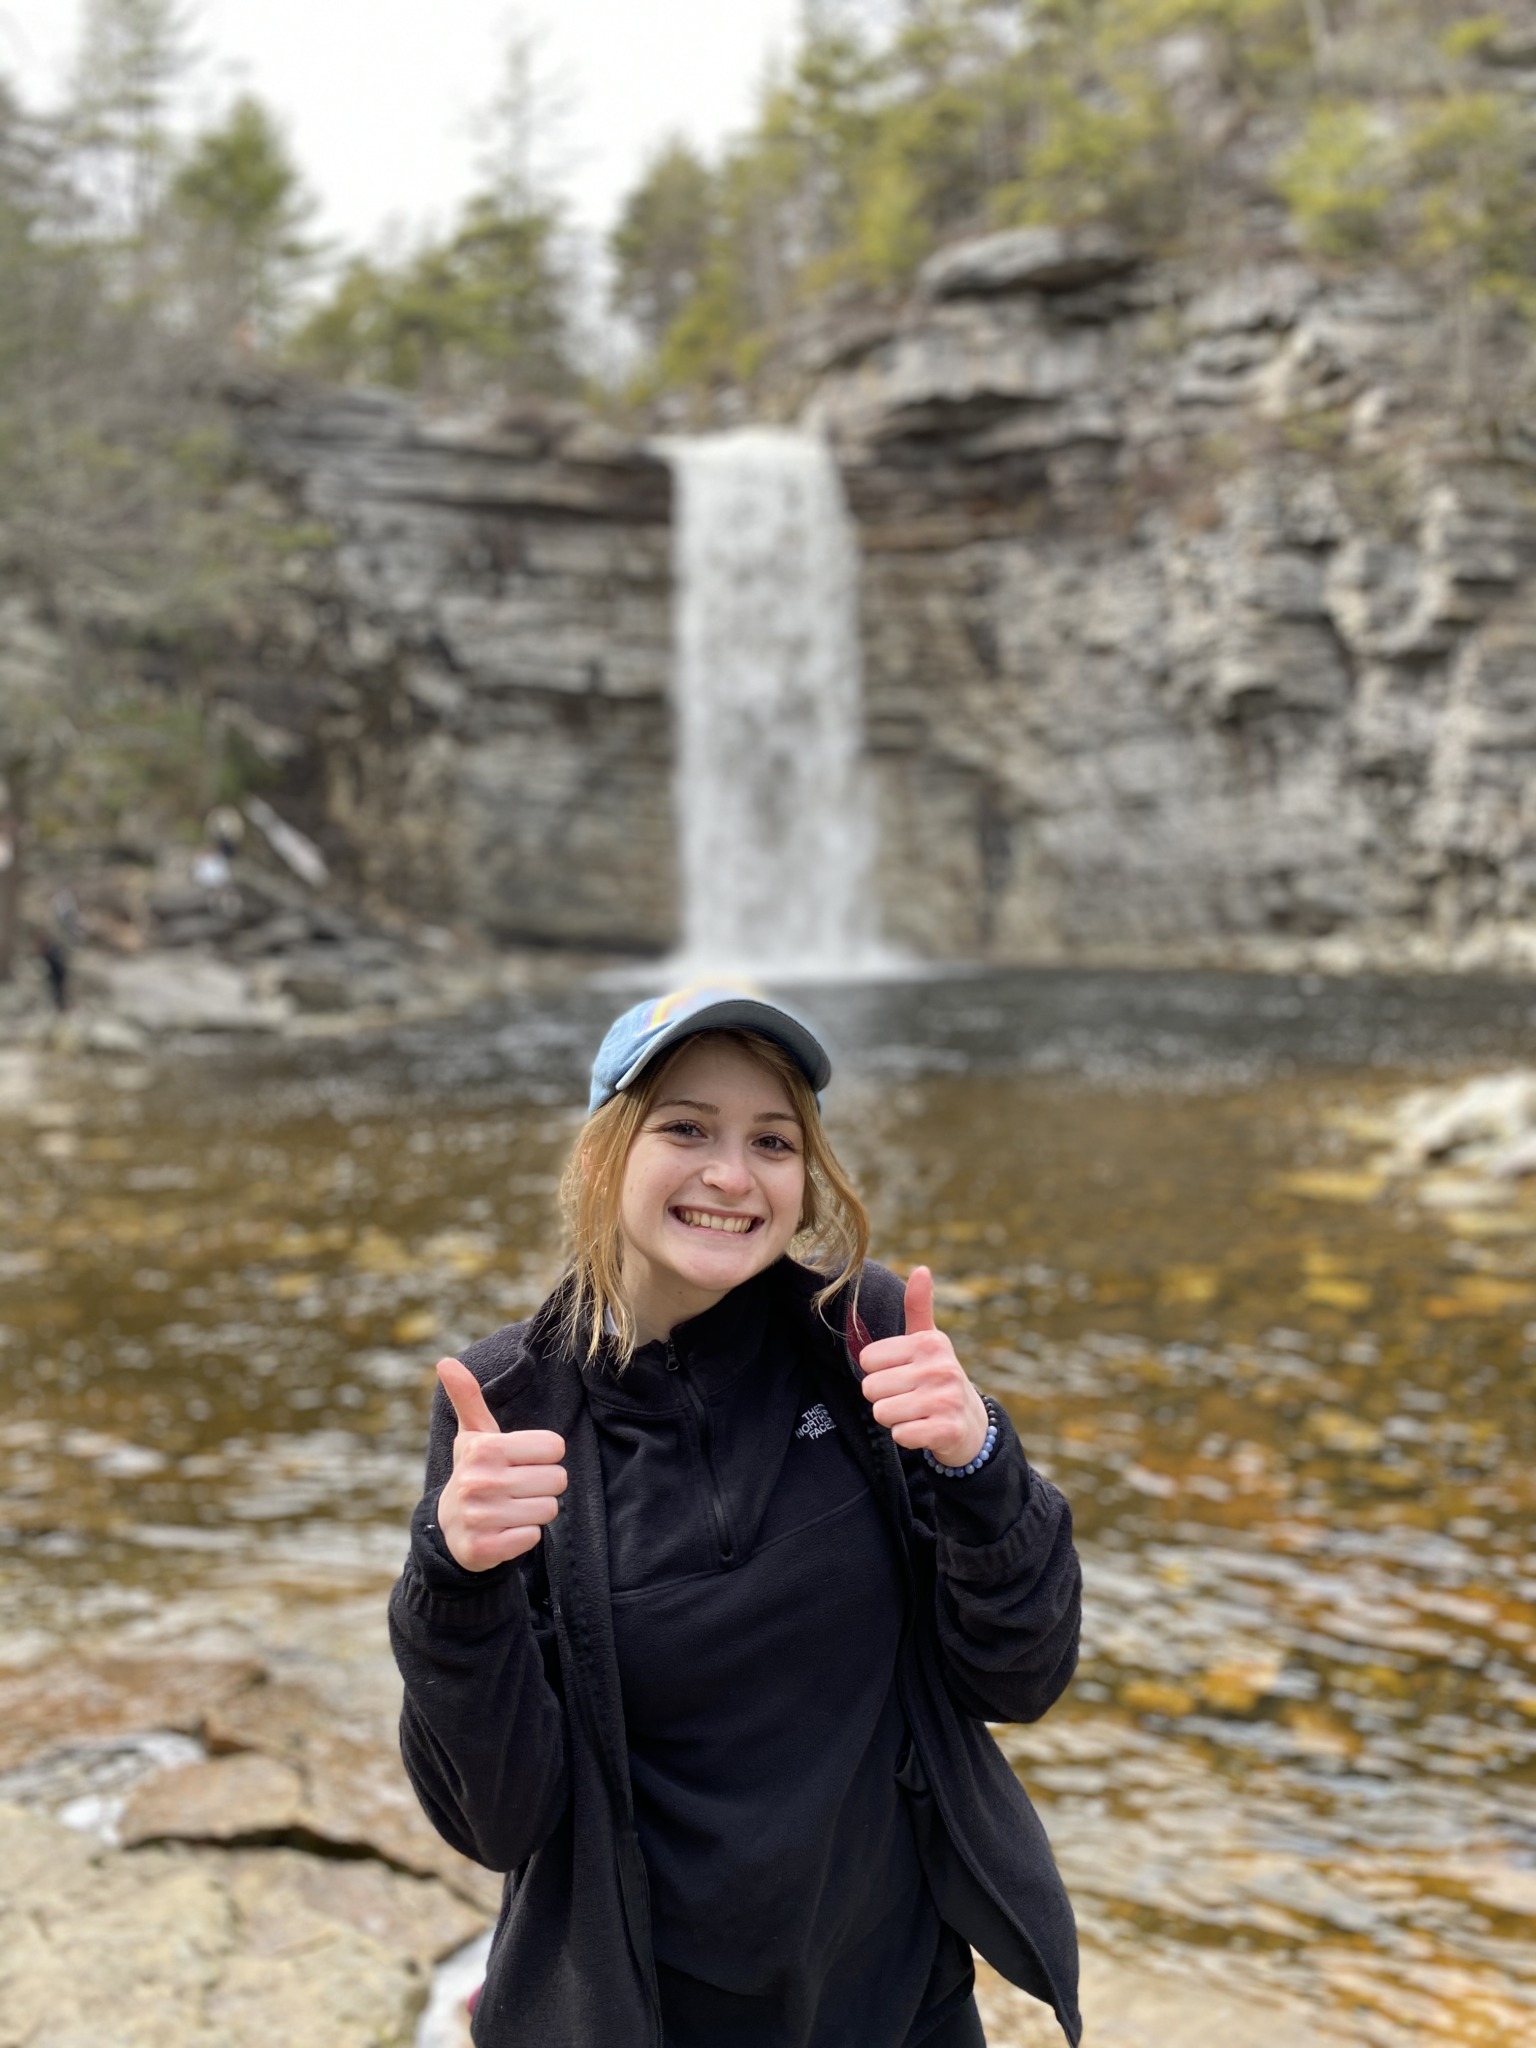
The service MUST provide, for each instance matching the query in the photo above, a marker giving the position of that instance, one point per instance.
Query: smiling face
(714, 1184)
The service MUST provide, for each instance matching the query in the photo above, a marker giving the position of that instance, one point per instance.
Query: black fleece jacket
(757, 1607)
(514, 1729)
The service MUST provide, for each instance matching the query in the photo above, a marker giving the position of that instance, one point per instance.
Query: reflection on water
(1291, 1409)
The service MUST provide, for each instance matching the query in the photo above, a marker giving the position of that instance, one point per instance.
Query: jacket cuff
(436, 1581)
(980, 1510)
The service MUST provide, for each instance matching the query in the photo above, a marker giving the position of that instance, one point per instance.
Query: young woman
(722, 1567)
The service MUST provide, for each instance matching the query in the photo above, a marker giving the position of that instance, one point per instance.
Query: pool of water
(1291, 1407)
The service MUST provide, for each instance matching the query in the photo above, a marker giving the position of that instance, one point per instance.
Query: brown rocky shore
(211, 1842)
(208, 1842)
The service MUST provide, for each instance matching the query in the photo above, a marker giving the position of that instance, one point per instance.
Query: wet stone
(354, 1792)
(106, 1695)
(170, 1949)
(226, 1799)
(1128, 2008)
(276, 1890)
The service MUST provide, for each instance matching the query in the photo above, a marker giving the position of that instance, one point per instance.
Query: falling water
(774, 818)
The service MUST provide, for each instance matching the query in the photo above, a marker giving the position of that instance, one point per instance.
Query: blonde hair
(834, 1225)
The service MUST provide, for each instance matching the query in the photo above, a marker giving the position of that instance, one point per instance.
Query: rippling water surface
(1290, 1403)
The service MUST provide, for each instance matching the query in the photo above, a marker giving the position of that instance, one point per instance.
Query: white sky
(378, 96)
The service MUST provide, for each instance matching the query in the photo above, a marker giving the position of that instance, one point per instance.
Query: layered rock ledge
(1197, 626)
(1199, 629)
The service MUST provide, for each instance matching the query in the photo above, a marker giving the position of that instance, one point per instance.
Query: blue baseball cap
(635, 1039)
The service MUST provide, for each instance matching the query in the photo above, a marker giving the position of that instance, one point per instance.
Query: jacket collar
(716, 1347)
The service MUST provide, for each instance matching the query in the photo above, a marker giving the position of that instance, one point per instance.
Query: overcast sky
(378, 96)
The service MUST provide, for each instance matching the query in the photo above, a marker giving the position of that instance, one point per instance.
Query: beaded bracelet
(988, 1446)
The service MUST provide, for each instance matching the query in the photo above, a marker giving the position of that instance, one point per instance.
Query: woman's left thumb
(919, 1301)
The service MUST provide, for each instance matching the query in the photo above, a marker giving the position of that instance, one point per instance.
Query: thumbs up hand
(506, 1484)
(918, 1387)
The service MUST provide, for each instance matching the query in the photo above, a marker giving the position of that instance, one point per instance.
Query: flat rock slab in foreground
(290, 1766)
(113, 1695)
(177, 1948)
(1125, 2008)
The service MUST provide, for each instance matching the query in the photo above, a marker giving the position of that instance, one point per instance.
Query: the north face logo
(814, 1422)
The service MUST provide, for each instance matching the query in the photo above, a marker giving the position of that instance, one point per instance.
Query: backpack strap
(856, 1335)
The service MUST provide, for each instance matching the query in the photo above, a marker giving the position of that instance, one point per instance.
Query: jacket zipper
(700, 1409)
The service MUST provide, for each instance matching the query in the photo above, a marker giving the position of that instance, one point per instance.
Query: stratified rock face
(497, 634)
(1192, 628)
(1046, 259)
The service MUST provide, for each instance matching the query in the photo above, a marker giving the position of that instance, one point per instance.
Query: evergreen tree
(661, 243)
(132, 54)
(487, 308)
(241, 198)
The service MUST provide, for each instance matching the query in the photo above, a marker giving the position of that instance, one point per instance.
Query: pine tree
(661, 243)
(132, 54)
(240, 197)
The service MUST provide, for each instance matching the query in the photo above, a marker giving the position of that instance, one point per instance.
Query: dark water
(1291, 1404)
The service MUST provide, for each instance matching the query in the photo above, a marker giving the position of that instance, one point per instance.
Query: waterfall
(775, 827)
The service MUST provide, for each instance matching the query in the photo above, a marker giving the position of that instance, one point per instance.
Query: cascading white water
(775, 824)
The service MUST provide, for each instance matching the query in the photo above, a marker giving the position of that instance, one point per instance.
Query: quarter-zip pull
(700, 1409)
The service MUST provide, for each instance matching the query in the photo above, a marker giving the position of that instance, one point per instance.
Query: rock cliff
(493, 625)
(1196, 627)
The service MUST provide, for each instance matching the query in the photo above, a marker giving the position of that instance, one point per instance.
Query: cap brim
(742, 1013)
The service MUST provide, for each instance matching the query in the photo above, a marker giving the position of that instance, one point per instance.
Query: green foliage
(242, 199)
(1472, 38)
(891, 234)
(490, 305)
(1469, 183)
(862, 157)
(1258, 46)
(116, 461)
(1120, 160)
(661, 242)
(1443, 183)
(867, 154)
(132, 54)
(1384, 127)
(1337, 179)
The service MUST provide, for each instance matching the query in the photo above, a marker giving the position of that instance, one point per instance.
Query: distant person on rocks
(225, 829)
(722, 1567)
(55, 958)
(66, 917)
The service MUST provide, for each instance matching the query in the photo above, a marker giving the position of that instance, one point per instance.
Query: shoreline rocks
(205, 1850)
(273, 1888)
(173, 1948)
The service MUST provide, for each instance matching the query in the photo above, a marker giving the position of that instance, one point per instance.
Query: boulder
(20, 1079)
(353, 1793)
(414, 1917)
(85, 1696)
(1033, 259)
(170, 1949)
(1269, 295)
(225, 1799)
(189, 992)
(1492, 1113)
